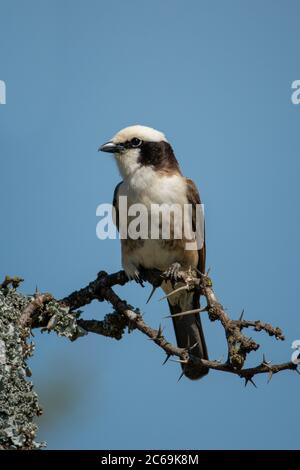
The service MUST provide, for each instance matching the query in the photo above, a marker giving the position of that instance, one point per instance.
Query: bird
(151, 175)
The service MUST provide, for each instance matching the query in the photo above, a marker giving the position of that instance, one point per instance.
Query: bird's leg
(171, 274)
(133, 273)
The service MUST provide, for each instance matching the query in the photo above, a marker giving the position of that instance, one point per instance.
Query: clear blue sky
(216, 77)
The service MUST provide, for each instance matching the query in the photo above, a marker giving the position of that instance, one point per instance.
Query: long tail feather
(189, 332)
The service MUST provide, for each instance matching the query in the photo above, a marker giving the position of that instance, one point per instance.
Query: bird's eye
(135, 142)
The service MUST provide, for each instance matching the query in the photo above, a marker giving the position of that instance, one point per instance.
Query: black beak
(110, 147)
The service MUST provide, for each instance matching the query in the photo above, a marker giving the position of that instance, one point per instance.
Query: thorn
(253, 383)
(36, 290)
(270, 376)
(241, 315)
(188, 312)
(159, 331)
(190, 348)
(264, 359)
(151, 293)
(166, 359)
(180, 377)
(174, 292)
(158, 334)
(265, 362)
(249, 379)
(180, 361)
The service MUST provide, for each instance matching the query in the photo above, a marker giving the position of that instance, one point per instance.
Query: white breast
(147, 186)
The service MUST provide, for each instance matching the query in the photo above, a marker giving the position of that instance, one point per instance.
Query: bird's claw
(138, 279)
(171, 273)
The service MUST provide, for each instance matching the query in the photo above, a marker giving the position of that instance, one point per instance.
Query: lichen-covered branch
(18, 402)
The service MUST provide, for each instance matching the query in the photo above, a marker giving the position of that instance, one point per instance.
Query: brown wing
(116, 205)
(194, 198)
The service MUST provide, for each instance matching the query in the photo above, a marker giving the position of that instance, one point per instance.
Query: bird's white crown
(144, 133)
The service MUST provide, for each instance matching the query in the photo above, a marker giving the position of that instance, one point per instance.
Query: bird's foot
(139, 280)
(171, 274)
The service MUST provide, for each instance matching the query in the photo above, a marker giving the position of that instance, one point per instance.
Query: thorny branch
(114, 324)
(20, 314)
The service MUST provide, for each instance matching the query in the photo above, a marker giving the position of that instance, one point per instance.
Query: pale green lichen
(62, 321)
(18, 402)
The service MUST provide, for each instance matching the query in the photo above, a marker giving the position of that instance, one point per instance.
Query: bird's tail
(189, 332)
